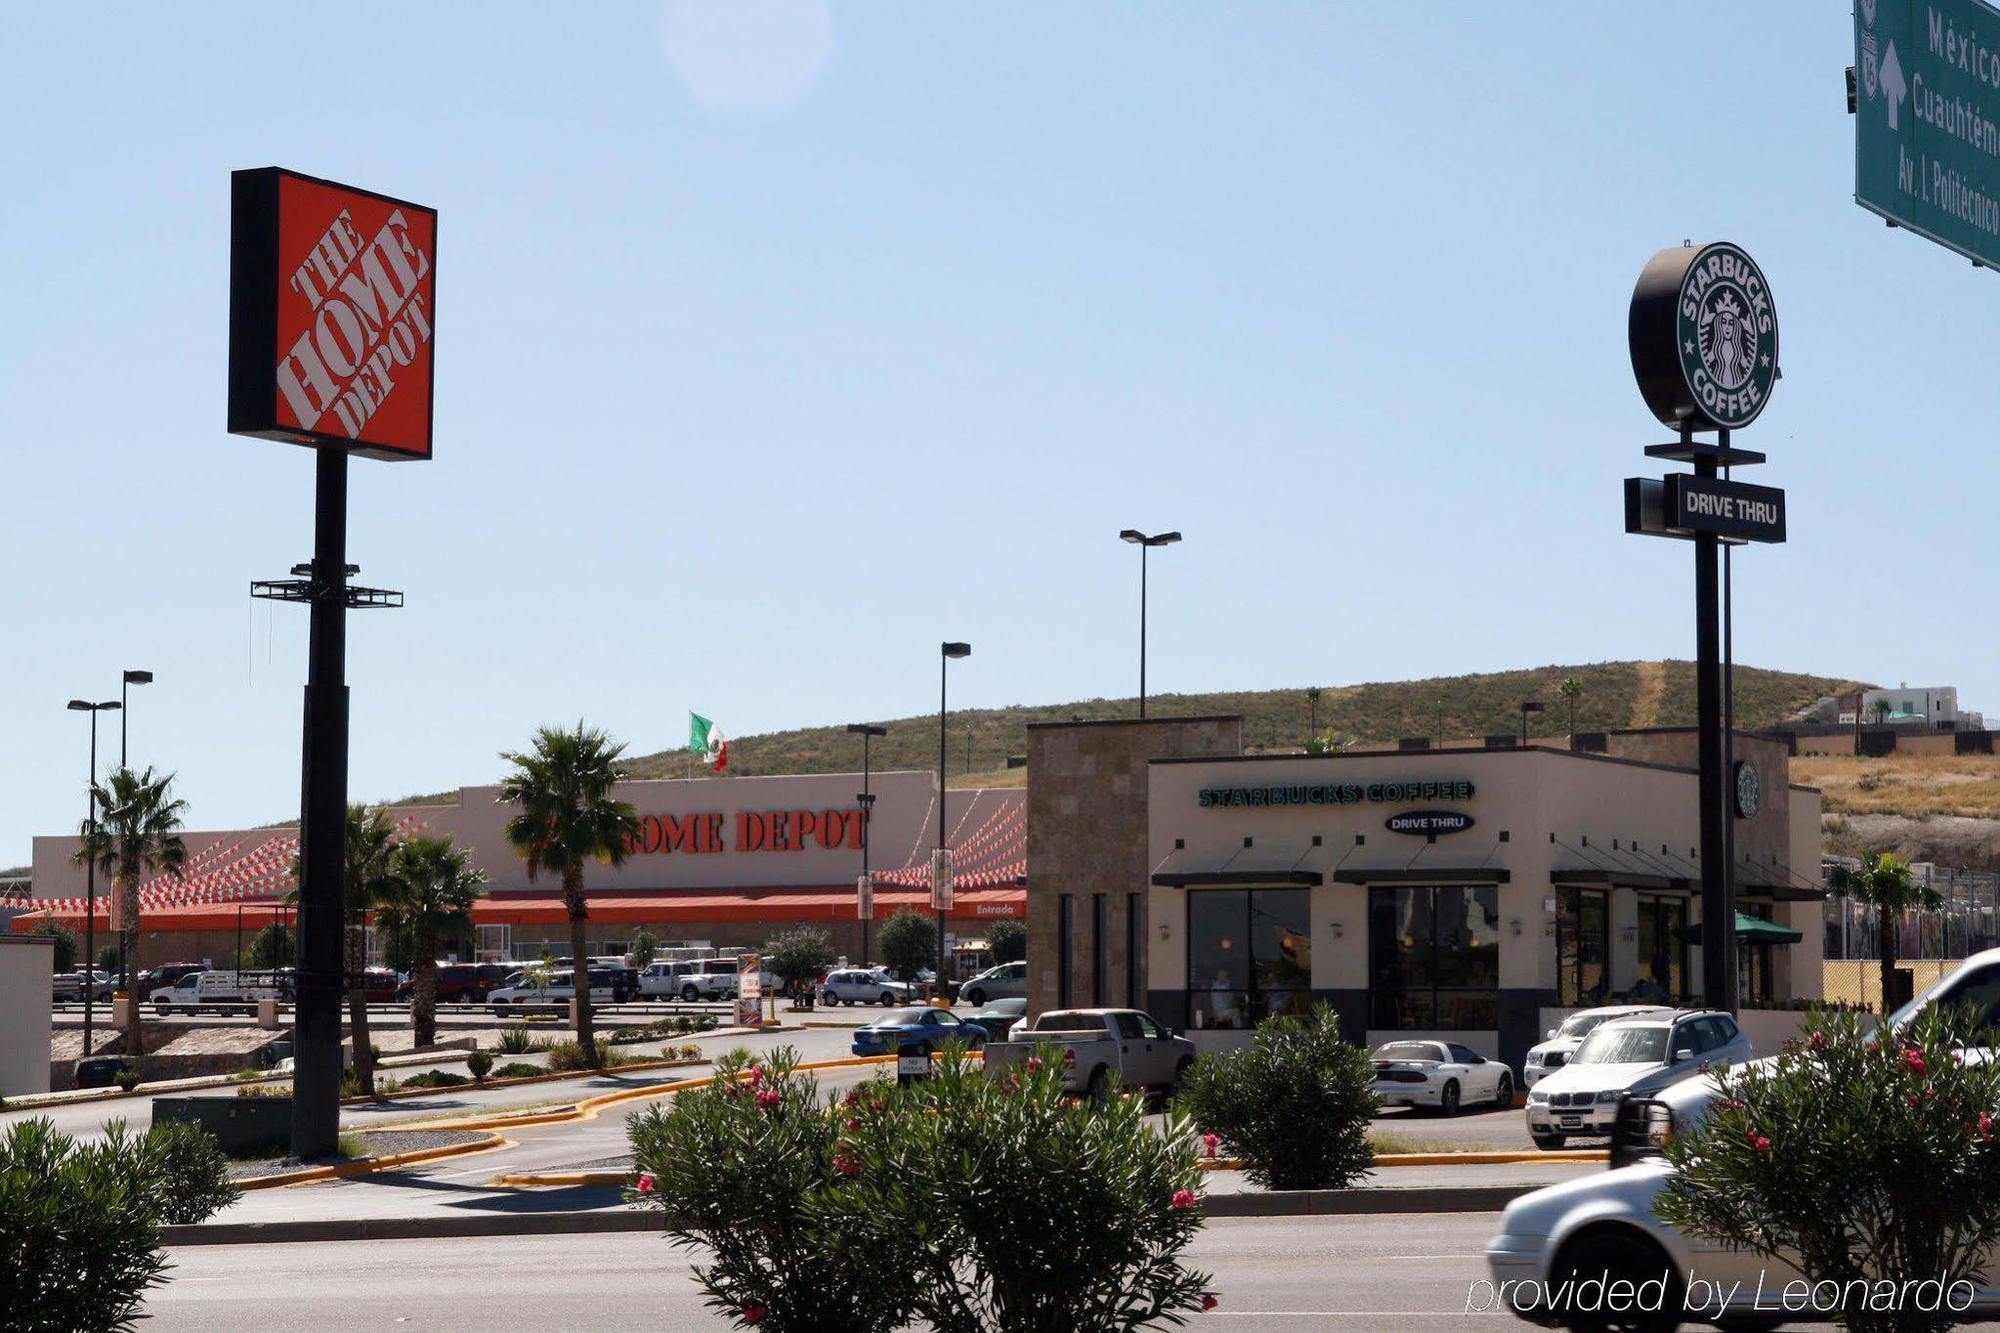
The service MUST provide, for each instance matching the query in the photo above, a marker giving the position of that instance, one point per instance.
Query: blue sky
(776, 344)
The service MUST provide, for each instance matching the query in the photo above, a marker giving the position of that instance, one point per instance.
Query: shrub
(1867, 1160)
(281, 1089)
(798, 955)
(518, 1040)
(1294, 1104)
(1006, 942)
(568, 1056)
(188, 1173)
(626, 1036)
(735, 1166)
(1023, 1208)
(479, 1064)
(82, 1231)
(126, 1079)
(518, 1069)
(66, 950)
(436, 1078)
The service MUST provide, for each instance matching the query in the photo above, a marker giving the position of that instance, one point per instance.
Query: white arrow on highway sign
(1893, 87)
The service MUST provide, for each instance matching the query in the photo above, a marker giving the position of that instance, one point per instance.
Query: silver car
(1007, 981)
(861, 985)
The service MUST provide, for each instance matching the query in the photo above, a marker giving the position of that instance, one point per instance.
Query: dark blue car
(919, 1029)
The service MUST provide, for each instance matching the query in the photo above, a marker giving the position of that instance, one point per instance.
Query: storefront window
(1583, 947)
(1434, 957)
(1249, 955)
(1753, 961)
(1662, 950)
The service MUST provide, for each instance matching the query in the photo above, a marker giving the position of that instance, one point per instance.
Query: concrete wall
(26, 998)
(1087, 834)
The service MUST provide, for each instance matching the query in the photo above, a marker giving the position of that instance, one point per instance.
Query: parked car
(552, 991)
(1562, 1042)
(1098, 1045)
(163, 976)
(863, 985)
(1000, 1018)
(1440, 1075)
(922, 1029)
(624, 977)
(460, 983)
(664, 979)
(69, 985)
(715, 981)
(217, 992)
(1638, 1056)
(1603, 1225)
(379, 985)
(1005, 981)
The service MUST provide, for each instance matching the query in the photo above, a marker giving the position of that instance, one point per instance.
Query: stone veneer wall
(1087, 834)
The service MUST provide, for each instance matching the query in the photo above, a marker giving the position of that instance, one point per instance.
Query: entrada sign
(332, 297)
(756, 831)
(1335, 793)
(1428, 823)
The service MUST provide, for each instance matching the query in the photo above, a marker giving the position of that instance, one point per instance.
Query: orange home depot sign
(332, 301)
(751, 831)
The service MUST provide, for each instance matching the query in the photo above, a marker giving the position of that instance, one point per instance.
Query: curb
(1285, 1203)
(1441, 1159)
(640, 1067)
(366, 1166)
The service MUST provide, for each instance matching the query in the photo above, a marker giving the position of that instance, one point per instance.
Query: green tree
(429, 897)
(1007, 942)
(371, 843)
(908, 942)
(566, 819)
(1571, 690)
(134, 834)
(1313, 695)
(1880, 708)
(798, 955)
(1883, 881)
(645, 945)
(67, 948)
(271, 947)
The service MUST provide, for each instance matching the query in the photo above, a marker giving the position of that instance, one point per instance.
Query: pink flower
(1763, 1144)
(853, 1096)
(645, 1182)
(1208, 1302)
(1210, 1142)
(1913, 1099)
(1701, 1068)
(756, 1077)
(1817, 1041)
(769, 1097)
(1183, 1200)
(1034, 1063)
(846, 1165)
(754, 1314)
(1756, 1140)
(1985, 1124)
(1913, 1060)
(853, 1125)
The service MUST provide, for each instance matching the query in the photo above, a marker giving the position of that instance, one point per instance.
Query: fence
(1968, 922)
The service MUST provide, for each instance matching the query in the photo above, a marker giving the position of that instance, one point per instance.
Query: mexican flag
(706, 739)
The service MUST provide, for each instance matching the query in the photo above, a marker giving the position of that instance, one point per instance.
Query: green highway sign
(1927, 120)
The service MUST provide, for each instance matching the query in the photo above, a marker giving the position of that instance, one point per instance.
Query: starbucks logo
(1728, 335)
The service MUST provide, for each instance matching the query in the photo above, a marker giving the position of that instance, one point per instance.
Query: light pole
(1527, 706)
(129, 679)
(946, 651)
(866, 799)
(90, 868)
(1144, 543)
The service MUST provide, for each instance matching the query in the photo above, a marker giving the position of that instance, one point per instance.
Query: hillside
(1615, 695)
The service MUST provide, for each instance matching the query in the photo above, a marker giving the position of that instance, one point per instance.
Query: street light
(90, 868)
(946, 652)
(1144, 543)
(866, 799)
(130, 678)
(1528, 706)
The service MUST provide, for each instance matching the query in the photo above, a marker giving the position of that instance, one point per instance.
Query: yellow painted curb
(1439, 1159)
(369, 1165)
(640, 1067)
(544, 1179)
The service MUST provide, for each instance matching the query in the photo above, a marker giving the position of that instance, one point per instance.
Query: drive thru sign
(1927, 120)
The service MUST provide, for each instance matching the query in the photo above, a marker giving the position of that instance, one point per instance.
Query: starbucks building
(1466, 893)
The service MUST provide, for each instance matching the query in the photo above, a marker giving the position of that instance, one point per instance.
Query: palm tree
(567, 819)
(132, 836)
(1883, 881)
(1313, 695)
(1881, 709)
(371, 837)
(1571, 690)
(429, 896)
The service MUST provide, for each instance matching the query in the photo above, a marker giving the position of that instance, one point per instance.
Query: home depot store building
(718, 861)
(1469, 894)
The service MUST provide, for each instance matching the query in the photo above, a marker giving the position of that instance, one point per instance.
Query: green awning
(1750, 930)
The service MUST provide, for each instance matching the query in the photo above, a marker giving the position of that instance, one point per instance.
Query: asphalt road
(1298, 1273)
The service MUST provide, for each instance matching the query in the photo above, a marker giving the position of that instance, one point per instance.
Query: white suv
(1636, 1055)
(1554, 1053)
(860, 985)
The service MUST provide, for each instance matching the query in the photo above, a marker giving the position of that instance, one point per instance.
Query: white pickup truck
(1099, 1045)
(223, 992)
(1605, 1224)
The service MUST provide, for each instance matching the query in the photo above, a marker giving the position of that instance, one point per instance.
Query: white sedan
(1439, 1074)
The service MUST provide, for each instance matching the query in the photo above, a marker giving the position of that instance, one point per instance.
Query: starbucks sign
(1704, 337)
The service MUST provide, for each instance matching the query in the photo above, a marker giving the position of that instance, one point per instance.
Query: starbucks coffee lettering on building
(1333, 793)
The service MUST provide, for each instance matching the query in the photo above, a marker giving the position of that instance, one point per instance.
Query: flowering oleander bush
(967, 1203)
(1295, 1104)
(1858, 1159)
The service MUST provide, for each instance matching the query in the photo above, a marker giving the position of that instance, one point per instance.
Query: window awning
(1750, 930)
(1624, 879)
(1418, 875)
(1215, 879)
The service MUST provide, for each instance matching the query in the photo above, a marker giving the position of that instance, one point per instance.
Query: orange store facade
(718, 861)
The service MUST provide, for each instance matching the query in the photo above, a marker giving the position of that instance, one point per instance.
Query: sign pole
(323, 825)
(1717, 916)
